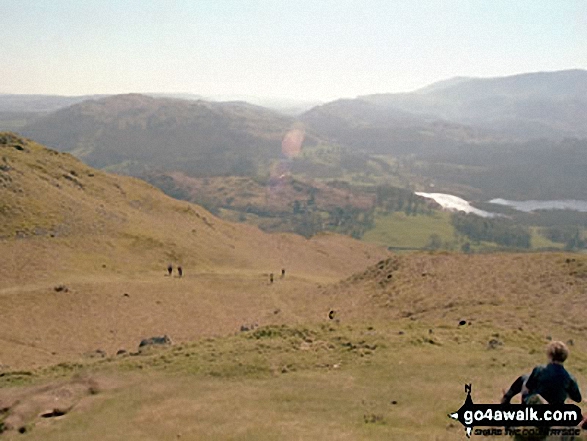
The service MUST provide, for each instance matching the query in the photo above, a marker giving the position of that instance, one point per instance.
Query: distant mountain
(23, 103)
(136, 133)
(383, 129)
(526, 106)
(40, 103)
(287, 106)
(513, 135)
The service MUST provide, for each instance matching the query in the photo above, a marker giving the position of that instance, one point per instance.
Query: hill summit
(134, 133)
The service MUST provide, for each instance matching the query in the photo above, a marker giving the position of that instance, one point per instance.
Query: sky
(296, 49)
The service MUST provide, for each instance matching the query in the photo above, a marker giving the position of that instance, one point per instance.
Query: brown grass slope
(533, 292)
(104, 236)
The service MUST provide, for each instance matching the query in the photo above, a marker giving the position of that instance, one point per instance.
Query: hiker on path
(170, 269)
(180, 271)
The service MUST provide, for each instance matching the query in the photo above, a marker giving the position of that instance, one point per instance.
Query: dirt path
(41, 325)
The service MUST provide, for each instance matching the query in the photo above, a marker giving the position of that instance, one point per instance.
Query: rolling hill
(134, 133)
(523, 135)
(40, 103)
(525, 106)
(375, 128)
(102, 236)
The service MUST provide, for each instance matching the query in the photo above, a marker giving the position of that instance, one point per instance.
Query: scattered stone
(245, 328)
(277, 311)
(61, 288)
(155, 341)
(54, 413)
(549, 337)
(394, 402)
(462, 323)
(125, 295)
(331, 314)
(101, 352)
(121, 352)
(494, 343)
(401, 332)
(571, 342)
(430, 331)
(372, 418)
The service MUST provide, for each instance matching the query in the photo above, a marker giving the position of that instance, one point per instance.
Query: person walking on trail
(170, 269)
(550, 383)
(180, 271)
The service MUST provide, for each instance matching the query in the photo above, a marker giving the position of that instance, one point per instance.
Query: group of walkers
(282, 275)
(170, 270)
(180, 272)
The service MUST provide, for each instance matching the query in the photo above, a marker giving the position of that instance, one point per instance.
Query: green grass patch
(398, 230)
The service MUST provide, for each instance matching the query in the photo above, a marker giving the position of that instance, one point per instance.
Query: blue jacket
(553, 383)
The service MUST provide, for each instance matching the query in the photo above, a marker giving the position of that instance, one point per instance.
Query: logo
(542, 416)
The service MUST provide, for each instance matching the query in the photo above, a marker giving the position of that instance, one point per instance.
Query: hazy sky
(302, 49)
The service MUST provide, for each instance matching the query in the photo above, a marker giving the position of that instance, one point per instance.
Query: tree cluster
(498, 230)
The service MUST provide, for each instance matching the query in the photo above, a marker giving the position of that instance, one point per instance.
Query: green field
(398, 230)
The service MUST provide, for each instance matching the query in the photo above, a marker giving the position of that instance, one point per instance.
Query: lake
(455, 203)
(529, 206)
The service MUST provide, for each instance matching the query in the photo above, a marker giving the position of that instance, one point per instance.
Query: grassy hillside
(390, 365)
(104, 236)
(352, 344)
